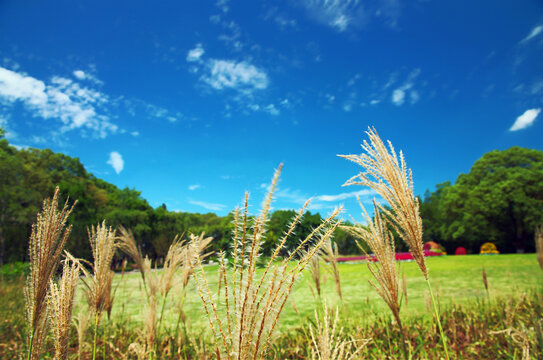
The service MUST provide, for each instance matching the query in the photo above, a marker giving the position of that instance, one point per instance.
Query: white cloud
(344, 196)
(81, 75)
(525, 120)
(272, 110)
(116, 161)
(195, 54)
(208, 206)
(194, 187)
(293, 196)
(338, 14)
(235, 75)
(414, 96)
(535, 32)
(285, 103)
(344, 15)
(223, 5)
(162, 113)
(135, 133)
(74, 105)
(398, 97)
(400, 94)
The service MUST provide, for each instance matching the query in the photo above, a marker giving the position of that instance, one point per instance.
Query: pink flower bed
(403, 256)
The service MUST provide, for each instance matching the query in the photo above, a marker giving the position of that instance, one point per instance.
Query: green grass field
(456, 279)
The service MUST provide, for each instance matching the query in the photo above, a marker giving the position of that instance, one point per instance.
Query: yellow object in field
(489, 248)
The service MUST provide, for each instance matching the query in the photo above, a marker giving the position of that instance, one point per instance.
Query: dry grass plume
(328, 341)
(243, 320)
(331, 255)
(49, 234)
(61, 301)
(389, 177)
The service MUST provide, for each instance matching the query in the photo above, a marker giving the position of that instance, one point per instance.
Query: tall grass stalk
(252, 302)
(328, 341)
(387, 174)
(127, 244)
(331, 255)
(61, 301)
(98, 284)
(49, 234)
(385, 270)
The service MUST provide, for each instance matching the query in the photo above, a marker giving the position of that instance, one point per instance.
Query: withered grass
(243, 320)
(47, 240)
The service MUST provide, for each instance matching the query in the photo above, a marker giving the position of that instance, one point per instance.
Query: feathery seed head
(393, 181)
(61, 299)
(252, 301)
(49, 235)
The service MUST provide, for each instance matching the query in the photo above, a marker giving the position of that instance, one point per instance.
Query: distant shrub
(14, 270)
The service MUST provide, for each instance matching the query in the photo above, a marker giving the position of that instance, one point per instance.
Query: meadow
(514, 297)
(458, 280)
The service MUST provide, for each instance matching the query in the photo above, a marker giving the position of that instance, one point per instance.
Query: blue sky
(194, 102)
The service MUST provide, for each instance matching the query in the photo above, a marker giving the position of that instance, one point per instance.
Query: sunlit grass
(457, 279)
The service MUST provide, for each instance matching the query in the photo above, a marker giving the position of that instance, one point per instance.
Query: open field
(475, 326)
(458, 279)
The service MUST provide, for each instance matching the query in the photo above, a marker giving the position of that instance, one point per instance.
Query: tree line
(500, 200)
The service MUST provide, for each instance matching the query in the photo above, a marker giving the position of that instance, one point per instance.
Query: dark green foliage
(28, 176)
(500, 200)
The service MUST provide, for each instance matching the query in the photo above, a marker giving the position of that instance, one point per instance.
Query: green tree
(499, 200)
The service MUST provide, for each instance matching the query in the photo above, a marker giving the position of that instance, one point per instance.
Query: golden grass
(331, 254)
(49, 234)
(316, 276)
(243, 320)
(61, 301)
(385, 270)
(98, 283)
(328, 341)
(389, 177)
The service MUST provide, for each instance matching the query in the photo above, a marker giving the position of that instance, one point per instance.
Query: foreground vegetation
(500, 324)
(244, 300)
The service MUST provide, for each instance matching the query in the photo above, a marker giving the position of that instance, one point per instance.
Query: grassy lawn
(457, 279)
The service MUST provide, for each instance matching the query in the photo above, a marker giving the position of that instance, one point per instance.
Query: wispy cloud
(194, 187)
(162, 113)
(525, 120)
(82, 75)
(406, 91)
(272, 110)
(343, 15)
(338, 14)
(230, 74)
(345, 195)
(208, 206)
(74, 105)
(194, 55)
(116, 161)
(535, 32)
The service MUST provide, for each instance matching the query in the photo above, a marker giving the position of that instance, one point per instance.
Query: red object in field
(431, 245)
(403, 256)
(460, 251)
